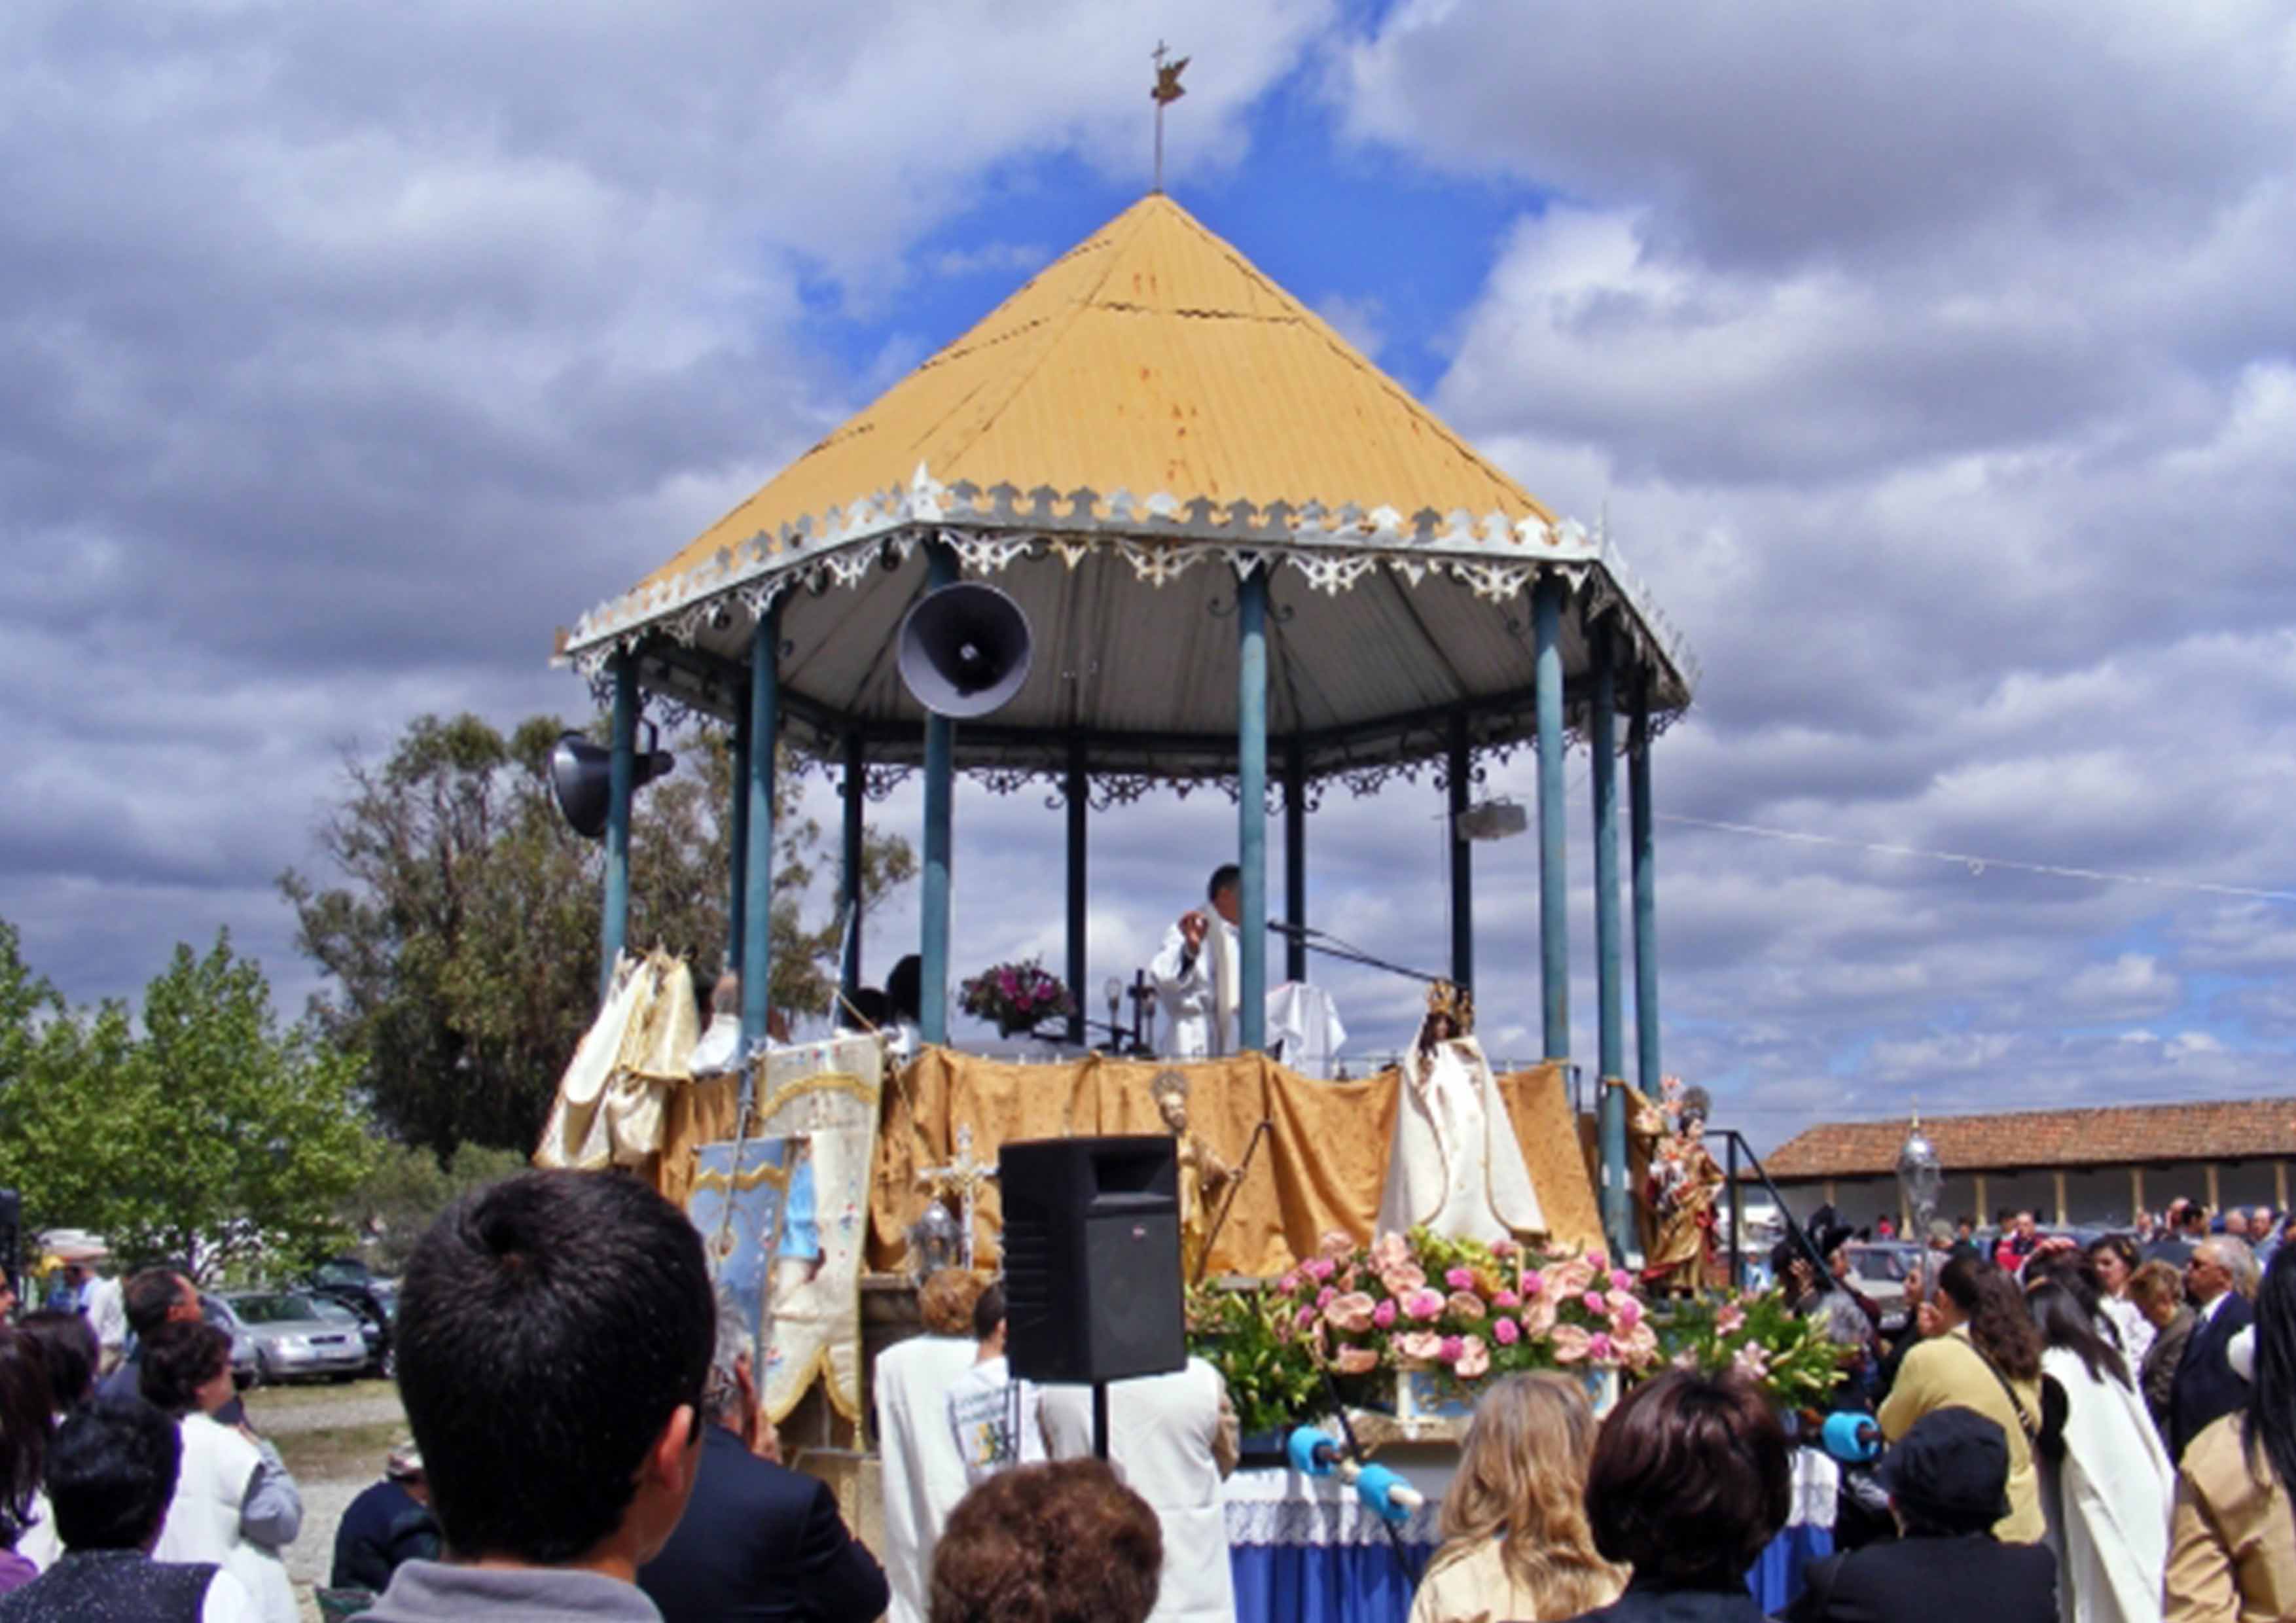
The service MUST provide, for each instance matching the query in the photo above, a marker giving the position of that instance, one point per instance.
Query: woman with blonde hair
(1516, 1542)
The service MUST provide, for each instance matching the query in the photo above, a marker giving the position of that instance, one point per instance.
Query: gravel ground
(298, 1418)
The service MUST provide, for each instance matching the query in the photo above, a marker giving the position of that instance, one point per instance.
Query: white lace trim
(1161, 537)
(1282, 1507)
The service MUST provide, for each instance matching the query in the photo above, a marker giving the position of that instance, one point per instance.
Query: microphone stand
(1316, 941)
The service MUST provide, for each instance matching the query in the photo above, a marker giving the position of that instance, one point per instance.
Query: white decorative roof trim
(1160, 536)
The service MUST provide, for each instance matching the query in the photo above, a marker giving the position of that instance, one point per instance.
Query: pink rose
(1503, 1248)
(1638, 1347)
(1419, 1346)
(1533, 1282)
(1402, 1280)
(1474, 1360)
(1600, 1348)
(1538, 1317)
(1451, 1349)
(1390, 1251)
(1597, 1261)
(1596, 1304)
(1506, 1299)
(1324, 1297)
(1507, 1332)
(1626, 1311)
(1356, 1361)
(1621, 1280)
(1289, 1282)
(1305, 1318)
(1465, 1304)
(1334, 1244)
(1571, 1344)
(1352, 1312)
(1384, 1314)
(1730, 1320)
(1460, 1279)
(1423, 1305)
(1319, 1268)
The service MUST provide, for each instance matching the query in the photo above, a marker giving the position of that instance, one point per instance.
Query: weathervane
(1168, 90)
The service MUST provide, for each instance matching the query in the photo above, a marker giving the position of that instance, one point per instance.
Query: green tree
(408, 1188)
(462, 937)
(209, 1136)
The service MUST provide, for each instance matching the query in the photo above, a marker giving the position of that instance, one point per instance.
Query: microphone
(1317, 1454)
(1854, 1440)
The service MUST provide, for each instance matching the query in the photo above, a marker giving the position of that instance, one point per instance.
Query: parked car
(245, 1371)
(294, 1340)
(373, 1327)
(1879, 1269)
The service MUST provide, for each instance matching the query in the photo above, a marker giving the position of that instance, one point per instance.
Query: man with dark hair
(1196, 973)
(554, 1337)
(995, 1418)
(111, 1471)
(152, 1297)
(758, 1540)
(1947, 1479)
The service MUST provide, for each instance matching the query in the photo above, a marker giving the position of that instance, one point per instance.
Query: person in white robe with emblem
(923, 1472)
(1172, 1438)
(1454, 1164)
(1197, 975)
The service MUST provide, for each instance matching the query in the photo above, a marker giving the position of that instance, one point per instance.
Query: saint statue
(1203, 1174)
(1453, 1165)
(1681, 1188)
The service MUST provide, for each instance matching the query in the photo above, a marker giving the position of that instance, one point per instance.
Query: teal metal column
(1458, 764)
(1076, 789)
(1645, 861)
(621, 783)
(737, 848)
(848, 872)
(758, 870)
(1553, 919)
(1295, 857)
(1251, 808)
(941, 789)
(1618, 1212)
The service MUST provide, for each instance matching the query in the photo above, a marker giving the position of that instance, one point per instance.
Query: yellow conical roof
(1151, 357)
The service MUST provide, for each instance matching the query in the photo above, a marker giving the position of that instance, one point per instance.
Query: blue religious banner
(740, 1204)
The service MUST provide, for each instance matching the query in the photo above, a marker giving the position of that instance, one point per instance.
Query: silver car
(294, 1340)
(244, 1369)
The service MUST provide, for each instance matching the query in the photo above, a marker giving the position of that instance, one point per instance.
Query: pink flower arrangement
(1731, 1320)
(1354, 1313)
(1384, 1314)
(1421, 1346)
(1596, 1303)
(1452, 1347)
(1506, 1332)
(1319, 1268)
(1460, 1279)
(1355, 1361)
(1506, 1299)
(1465, 1304)
(1474, 1360)
(1423, 1304)
(1326, 1297)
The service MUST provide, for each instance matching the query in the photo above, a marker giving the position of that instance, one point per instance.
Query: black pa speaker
(581, 780)
(964, 650)
(1092, 1259)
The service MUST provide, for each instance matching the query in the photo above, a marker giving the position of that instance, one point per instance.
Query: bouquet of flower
(1757, 1337)
(1271, 1384)
(1016, 996)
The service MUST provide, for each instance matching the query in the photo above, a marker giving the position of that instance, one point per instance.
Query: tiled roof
(1151, 357)
(2231, 1129)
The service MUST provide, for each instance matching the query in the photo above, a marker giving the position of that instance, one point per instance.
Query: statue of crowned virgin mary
(1454, 1164)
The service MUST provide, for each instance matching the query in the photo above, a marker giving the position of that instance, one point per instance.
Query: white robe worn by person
(922, 1471)
(1454, 1164)
(204, 1521)
(1171, 1438)
(2108, 1501)
(1198, 991)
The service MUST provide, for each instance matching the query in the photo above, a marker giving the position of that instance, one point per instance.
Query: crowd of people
(2069, 1434)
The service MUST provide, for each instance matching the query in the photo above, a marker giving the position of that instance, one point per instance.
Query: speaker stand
(1099, 1419)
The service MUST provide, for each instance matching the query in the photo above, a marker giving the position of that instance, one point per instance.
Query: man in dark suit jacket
(1948, 1483)
(758, 1540)
(2206, 1387)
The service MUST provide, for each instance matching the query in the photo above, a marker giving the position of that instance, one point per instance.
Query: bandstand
(1250, 560)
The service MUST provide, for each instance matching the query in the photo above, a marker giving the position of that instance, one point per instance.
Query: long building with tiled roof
(2098, 1165)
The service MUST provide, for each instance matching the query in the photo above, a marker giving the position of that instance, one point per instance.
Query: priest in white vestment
(1172, 1438)
(1198, 975)
(924, 1472)
(1453, 1165)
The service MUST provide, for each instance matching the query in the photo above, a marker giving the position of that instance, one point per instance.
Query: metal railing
(1734, 1145)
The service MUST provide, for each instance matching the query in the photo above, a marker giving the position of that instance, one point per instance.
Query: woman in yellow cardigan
(1979, 1350)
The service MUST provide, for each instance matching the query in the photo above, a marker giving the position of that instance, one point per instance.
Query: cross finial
(1167, 91)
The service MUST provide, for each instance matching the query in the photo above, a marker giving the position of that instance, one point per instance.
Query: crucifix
(1167, 91)
(963, 1177)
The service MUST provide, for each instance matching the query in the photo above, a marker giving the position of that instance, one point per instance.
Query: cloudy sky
(1934, 367)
